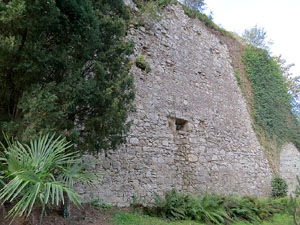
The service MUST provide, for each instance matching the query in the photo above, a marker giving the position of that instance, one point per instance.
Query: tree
(64, 69)
(195, 4)
(284, 67)
(293, 83)
(257, 37)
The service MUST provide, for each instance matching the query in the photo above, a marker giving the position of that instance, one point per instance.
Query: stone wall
(191, 129)
(290, 166)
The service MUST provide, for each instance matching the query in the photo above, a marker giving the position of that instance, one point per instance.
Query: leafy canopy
(64, 69)
(198, 5)
(257, 37)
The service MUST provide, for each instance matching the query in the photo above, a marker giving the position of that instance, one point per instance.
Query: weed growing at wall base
(279, 187)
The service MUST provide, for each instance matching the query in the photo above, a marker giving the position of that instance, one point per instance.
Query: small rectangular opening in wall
(176, 124)
(180, 124)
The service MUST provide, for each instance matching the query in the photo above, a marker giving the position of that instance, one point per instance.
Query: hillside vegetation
(272, 110)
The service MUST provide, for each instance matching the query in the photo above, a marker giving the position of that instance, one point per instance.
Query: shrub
(141, 63)
(42, 172)
(279, 187)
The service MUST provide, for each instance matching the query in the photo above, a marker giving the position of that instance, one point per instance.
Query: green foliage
(216, 209)
(296, 205)
(207, 20)
(42, 172)
(150, 11)
(237, 74)
(177, 206)
(197, 5)
(159, 3)
(279, 187)
(277, 219)
(173, 206)
(208, 209)
(297, 191)
(100, 205)
(141, 63)
(272, 108)
(125, 218)
(250, 209)
(285, 205)
(257, 37)
(64, 69)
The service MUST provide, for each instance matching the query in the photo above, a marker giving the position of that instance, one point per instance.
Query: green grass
(124, 218)
(277, 219)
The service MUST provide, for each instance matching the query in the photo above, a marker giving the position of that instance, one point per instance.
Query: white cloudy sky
(279, 18)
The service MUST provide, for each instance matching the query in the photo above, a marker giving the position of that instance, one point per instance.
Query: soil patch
(86, 215)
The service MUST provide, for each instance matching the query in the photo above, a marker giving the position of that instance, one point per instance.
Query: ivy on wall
(272, 109)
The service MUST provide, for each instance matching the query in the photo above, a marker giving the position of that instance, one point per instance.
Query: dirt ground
(86, 215)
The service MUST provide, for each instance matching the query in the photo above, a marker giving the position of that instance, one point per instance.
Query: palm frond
(42, 171)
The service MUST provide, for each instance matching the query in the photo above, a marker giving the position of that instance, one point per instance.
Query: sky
(279, 18)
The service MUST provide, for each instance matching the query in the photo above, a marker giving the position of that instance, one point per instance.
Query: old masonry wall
(191, 129)
(290, 166)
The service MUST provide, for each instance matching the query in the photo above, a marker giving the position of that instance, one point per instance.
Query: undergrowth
(217, 209)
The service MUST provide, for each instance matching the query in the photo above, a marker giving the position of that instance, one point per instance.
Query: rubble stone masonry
(191, 129)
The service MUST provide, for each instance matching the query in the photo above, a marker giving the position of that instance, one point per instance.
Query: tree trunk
(2, 211)
(66, 207)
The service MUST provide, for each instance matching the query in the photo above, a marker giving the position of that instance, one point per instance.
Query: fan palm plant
(42, 172)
